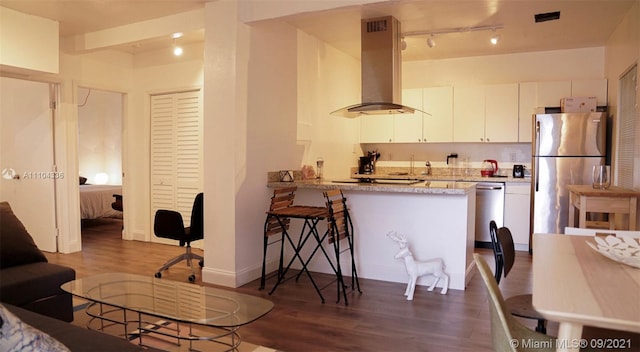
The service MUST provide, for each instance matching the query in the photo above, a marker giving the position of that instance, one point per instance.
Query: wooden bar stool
(341, 227)
(282, 198)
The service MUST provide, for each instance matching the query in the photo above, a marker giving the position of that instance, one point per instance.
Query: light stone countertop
(427, 187)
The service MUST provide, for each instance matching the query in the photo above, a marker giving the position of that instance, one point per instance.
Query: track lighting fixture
(494, 38)
(403, 44)
(177, 50)
(431, 42)
(431, 34)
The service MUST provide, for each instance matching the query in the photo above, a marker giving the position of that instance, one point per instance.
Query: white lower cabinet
(517, 202)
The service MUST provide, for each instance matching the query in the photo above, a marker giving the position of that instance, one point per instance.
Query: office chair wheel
(192, 278)
(158, 275)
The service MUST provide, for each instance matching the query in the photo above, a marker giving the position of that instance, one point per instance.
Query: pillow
(83, 180)
(16, 335)
(16, 245)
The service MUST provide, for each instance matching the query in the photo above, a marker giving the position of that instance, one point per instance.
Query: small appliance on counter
(489, 168)
(367, 164)
(518, 171)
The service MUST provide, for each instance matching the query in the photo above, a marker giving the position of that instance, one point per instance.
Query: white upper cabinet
(551, 92)
(437, 127)
(408, 127)
(590, 88)
(468, 114)
(376, 128)
(485, 113)
(501, 113)
(528, 104)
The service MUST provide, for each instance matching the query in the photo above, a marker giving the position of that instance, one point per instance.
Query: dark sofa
(27, 280)
(30, 290)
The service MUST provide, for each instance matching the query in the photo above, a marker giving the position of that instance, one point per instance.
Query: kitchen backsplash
(507, 154)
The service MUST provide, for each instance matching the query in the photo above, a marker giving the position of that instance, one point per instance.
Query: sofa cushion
(75, 337)
(24, 284)
(17, 336)
(16, 245)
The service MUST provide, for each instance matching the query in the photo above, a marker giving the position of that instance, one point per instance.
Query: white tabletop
(575, 286)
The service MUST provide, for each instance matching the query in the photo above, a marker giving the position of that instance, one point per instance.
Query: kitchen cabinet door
(408, 127)
(527, 107)
(468, 114)
(501, 113)
(437, 127)
(376, 128)
(590, 88)
(551, 92)
(516, 213)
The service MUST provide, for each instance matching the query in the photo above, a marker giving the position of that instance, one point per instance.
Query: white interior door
(176, 153)
(26, 157)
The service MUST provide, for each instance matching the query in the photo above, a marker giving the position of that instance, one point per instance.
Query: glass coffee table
(187, 312)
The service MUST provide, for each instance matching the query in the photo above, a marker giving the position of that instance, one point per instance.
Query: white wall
(100, 135)
(24, 50)
(622, 52)
(586, 63)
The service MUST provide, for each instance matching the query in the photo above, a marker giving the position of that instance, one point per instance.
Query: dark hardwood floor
(379, 319)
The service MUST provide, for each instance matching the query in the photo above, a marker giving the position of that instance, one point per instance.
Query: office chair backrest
(168, 224)
(507, 248)
(497, 251)
(197, 218)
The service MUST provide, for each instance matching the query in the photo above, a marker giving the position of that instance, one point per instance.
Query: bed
(95, 201)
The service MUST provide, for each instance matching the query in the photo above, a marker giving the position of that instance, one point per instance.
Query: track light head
(403, 44)
(431, 42)
(495, 39)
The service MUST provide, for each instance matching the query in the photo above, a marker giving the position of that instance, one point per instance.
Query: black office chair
(169, 224)
(505, 254)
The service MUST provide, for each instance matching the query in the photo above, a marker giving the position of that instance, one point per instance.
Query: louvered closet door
(176, 152)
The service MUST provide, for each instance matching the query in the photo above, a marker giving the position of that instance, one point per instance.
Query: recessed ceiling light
(177, 35)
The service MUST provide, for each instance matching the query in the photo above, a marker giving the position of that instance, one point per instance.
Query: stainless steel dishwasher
(489, 206)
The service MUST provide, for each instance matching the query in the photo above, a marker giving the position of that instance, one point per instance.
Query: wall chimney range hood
(381, 70)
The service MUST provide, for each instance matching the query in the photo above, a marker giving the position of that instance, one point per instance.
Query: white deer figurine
(416, 269)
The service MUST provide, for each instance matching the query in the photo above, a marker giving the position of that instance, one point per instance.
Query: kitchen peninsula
(436, 217)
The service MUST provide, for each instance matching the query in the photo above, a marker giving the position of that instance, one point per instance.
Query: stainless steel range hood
(381, 70)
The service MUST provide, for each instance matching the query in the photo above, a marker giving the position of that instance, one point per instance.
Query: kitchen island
(437, 218)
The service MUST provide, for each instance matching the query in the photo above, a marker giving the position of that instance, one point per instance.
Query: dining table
(576, 286)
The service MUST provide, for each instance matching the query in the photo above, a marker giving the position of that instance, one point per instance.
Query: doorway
(29, 176)
(100, 156)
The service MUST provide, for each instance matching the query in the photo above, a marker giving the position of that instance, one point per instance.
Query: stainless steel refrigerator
(564, 150)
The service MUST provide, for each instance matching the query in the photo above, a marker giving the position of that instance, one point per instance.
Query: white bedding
(95, 201)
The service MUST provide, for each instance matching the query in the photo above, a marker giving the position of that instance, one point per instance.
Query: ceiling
(583, 23)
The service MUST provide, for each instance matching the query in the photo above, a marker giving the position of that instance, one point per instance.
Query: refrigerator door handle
(537, 156)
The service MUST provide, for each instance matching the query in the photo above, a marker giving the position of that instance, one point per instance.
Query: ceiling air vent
(377, 26)
(549, 16)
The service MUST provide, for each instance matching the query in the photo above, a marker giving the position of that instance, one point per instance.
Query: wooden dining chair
(282, 198)
(505, 255)
(504, 327)
(340, 227)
